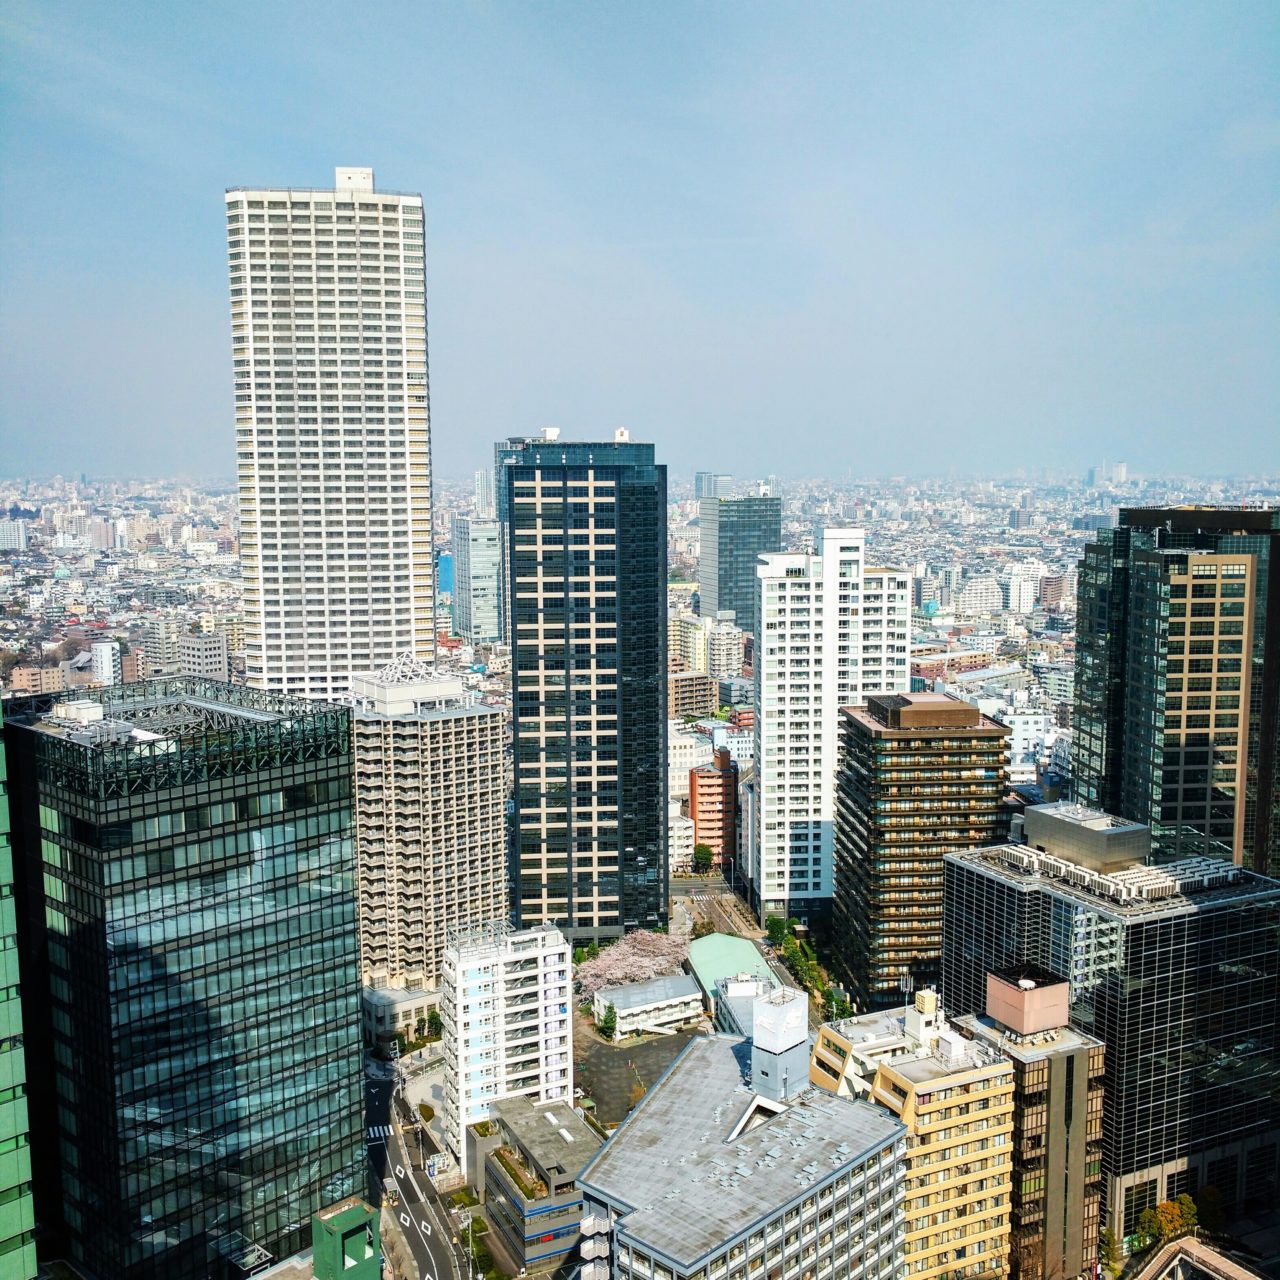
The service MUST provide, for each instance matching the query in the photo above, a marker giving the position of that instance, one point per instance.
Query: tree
(703, 928)
(1211, 1210)
(1187, 1208)
(702, 857)
(1169, 1217)
(593, 951)
(435, 1024)
(1148, 1228)
(609, 1022)
(776, 927)
(1109, 1247)
(420, 1028)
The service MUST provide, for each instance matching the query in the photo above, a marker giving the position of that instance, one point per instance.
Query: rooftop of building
(909, 713)
(553, 1133)
(1028, 1049)
(638, 995)
(1190, 884)
(722, 955)
(688, 1180)
(492, 936)
(160, 711)
(885, 1036)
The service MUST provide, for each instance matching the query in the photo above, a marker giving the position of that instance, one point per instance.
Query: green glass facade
(17, 1214)
(1177, 693)
(188, 875)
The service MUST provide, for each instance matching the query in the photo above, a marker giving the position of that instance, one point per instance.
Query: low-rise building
(691, 694)
(1057, 1121)
(722, 955)
(530, 1181)
(660, 1005)
(956, 1099)
(732, 1167)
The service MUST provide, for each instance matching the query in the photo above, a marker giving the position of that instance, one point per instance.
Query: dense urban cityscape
(682, 847)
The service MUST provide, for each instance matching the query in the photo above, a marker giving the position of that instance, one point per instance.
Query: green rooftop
(721, 955)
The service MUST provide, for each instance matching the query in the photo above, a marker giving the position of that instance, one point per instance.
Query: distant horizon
(1053, 476)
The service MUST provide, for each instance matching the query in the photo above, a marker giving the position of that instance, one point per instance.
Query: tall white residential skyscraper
(831, 632)
(329, 338)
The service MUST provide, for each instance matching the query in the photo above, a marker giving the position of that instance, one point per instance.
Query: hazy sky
(769, 237)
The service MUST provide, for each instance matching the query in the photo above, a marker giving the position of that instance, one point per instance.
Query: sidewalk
(427, 1086)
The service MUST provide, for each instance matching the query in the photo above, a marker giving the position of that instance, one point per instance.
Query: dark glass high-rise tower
(1175, 968)
(584, 528)
(191, 972)
(734, 534)
(1177, 691)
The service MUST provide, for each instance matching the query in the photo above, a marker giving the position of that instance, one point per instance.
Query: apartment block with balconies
(430, 799)
(505, 1004)
(921, 774)
(956, 1099)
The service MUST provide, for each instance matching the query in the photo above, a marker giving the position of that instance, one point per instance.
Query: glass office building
(17, 1214)
(733, 534)
(1177, 692)
(584, 529)
(1176, 968)
(187, 877)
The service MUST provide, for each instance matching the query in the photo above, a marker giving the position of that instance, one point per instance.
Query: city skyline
(1055, 234)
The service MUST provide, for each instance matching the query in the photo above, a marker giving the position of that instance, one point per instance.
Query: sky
(800, 239)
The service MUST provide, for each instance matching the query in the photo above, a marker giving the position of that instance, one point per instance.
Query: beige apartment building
(955, 1097)
(430, 792)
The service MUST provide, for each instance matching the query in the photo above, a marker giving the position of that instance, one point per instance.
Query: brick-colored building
(713, 804)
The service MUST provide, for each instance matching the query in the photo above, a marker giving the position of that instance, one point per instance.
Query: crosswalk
(379, 1131)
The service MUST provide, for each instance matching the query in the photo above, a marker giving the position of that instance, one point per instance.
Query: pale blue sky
(795, 238)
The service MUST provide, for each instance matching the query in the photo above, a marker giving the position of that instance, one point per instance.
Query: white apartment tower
(329, 339)
(505, 1008)
(106, 662)
(831, 632)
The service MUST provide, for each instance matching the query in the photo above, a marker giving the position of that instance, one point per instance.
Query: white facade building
(13, 535)
(979, 596)
(685, 751)
(506, 1017)
(106, 661)
(329, 337)
(711, 645)
(204, 654)
(832, 631)
(679, 839)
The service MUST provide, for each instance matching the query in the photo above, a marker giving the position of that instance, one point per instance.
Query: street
(424, 1221)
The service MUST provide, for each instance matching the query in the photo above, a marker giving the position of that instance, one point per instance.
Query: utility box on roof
(345, 1242)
